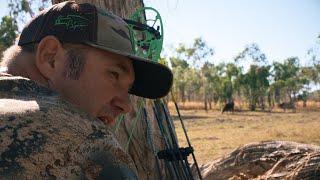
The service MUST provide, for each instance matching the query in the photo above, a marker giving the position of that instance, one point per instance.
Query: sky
(281, 28)
(3, 9)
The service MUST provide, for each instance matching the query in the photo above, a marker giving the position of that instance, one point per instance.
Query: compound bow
(147, 39)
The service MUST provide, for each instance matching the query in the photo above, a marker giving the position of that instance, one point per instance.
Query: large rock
(267, 160)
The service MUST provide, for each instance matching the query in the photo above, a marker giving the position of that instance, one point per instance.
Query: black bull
(228, 107)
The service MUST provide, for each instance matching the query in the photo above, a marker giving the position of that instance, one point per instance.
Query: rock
(266, 160)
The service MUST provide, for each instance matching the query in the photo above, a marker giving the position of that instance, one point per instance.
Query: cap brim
(152, 80)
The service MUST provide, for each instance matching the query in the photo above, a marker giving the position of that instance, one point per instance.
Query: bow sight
(146, 35)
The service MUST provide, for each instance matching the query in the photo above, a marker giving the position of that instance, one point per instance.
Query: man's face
(101, 88)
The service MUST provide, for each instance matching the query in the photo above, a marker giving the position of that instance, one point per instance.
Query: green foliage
(176, 62)
(259, 83)
(8, 32)
(163, 61)
(251, 55)
(17, 7)
(24, 9)
(314, 57)
(289, 68)
(232, 70)
(255, 84)
(19, 12)
(180, 69)
(197, 53)
(189, 79)
(290, 78)
(226, 89)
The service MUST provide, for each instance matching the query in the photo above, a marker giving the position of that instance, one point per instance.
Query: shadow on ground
(188, 117)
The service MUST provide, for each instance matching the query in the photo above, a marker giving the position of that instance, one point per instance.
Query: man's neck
(24, 65)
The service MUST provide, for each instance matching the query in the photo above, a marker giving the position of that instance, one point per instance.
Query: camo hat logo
(72, 21)
(87, 24)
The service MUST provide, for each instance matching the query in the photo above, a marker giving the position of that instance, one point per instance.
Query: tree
(193, 77)
(21, 10)
(19, 13)
(288, 79)
(251, 55)
(180, 69)
(314, 57)
(254, 83)
(197, 53)
(8, 32)
(211, 84)
(232, 73)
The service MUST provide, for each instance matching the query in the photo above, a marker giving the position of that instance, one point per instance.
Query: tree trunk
(289, 95)
(135, 128)
(262, 103)
(270, 100)
(253, 103)
(266, 160)
(277, 95)
(205, 101)
(182, 93)
(210, 102)
(189, 96)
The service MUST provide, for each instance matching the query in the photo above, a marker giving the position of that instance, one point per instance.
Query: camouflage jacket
(44, 137)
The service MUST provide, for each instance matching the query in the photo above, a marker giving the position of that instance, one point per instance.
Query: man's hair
(75, 58)
(76, 61)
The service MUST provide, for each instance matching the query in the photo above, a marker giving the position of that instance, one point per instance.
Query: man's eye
(114, 74)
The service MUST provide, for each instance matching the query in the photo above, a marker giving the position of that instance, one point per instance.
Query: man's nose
(123, 102)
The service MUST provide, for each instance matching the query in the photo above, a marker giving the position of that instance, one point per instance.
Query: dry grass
(311, 105)
(213, 134)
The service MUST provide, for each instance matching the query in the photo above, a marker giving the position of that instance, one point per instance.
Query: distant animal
(287, 105)
(228, 107)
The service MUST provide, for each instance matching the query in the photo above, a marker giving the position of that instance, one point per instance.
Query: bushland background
(202, 86)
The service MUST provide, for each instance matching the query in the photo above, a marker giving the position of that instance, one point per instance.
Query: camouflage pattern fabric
(44, 137)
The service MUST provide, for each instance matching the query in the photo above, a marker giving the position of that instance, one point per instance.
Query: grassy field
(213, 134)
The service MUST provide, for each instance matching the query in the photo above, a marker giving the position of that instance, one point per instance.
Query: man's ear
(46, 55)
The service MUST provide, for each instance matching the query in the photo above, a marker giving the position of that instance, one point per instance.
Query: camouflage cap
(90, 25)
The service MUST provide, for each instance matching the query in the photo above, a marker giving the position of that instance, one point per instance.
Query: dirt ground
(213, 134)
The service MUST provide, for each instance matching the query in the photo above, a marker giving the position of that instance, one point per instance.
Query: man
(81, 63)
